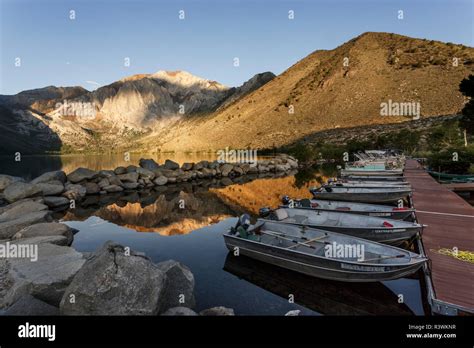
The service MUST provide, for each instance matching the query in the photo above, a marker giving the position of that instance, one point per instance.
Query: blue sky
(55, 50)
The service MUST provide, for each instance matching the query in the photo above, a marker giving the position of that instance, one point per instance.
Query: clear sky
(91, 49)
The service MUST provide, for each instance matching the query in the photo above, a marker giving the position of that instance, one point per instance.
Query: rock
(92, 188)
(293, 313)
(238, 170)
(145, 173)
(51, 188)
(120, 170)
(201, 165)
(179, 311)
(252, 170)
(179, 285)
(114, 180)
(106, 173)
(76, 192)
(46, 279)
(6, 180)
(131, 168)
(226, 168)
(217, 311)
(148, 164)
(10, 227)
(57, 240)
(130, 185)
(57, 175)
(46, 229)
(161, 180)
(112, 283)
(113, 188)
(169, 164)
(104, 182)
(31, 306)
(18, 190)
(21, 208)
(128, 177)
(185, 176)
(54, 202)
(187, 166)
(81, 174)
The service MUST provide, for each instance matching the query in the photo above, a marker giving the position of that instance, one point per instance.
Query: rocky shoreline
(41, 274)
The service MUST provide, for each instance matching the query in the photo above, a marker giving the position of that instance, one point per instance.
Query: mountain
(325, 94)
(175, 111)
(75, 119)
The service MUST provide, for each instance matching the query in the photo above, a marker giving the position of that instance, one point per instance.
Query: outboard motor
(264, 212)
(285, 200)
(244, 221)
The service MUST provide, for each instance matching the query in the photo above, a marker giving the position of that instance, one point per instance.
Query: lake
(157, 223)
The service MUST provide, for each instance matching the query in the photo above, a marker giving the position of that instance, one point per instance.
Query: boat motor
(285, 200)
(264, 212)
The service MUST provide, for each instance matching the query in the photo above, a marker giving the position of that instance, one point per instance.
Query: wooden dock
(450, 221)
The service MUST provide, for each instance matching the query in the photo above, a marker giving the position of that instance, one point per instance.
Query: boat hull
(363, 197)
(323, 268)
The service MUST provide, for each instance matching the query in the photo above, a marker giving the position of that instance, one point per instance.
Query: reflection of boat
(363, 195)
(361, 226)
(318, 253)
(377, 210)
(320, 295)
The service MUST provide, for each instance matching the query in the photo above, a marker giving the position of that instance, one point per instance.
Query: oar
(308, 241)
(384, 258)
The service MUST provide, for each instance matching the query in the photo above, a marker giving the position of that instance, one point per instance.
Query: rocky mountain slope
(75, 119)
(321, 92)
(176, 111)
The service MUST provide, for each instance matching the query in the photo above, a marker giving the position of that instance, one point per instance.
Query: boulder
(106, 173)
(226, 168)
(179, 291)
(51, 188)
(10, 227)
(145, 173)
(19, 190)
(114, 180)
(6, 180)
(21, 208)
(128, 177)
(46, 279)
(92, 188)
(81, 174)
(201, 165)
(217, 311)
(55, 202)
(169, 164)
(130, 185)
(112, 282)
(113, 188)
(238, 170)
(149, 164)
(120, 170)
(104, 182)
(161, 180)
(28, 305)
(179, 311)
(76, 192)
(131, 168)
(57, 240)
(57, 175)
(187, 166)
(46, 229)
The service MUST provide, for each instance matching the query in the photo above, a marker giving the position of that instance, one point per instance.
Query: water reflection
(321, 295)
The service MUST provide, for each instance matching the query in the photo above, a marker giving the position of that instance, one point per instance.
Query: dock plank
(453, 279)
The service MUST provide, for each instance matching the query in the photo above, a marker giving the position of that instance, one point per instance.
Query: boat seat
(281, 214)
(300, 219)
(256, 227)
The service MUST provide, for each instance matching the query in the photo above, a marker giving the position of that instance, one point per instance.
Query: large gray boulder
(56, 240)
(57, 175)
(169, 164)
(112, 282)
(9, 227)
(19, 190)
(112, 188)
(149, 164)
(55, 202)
(28, 305)
(161, 180)
(179, 290)
(128, 177)
(145, 173)
(21, 208)
(46, 229)
(226, 168)
(81, 174)
(179, 311)
(51, 188)
(6, 180)
(74, 191)
(45, 279)
(92, 188)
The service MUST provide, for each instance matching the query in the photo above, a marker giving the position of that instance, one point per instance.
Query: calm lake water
(153, 222)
